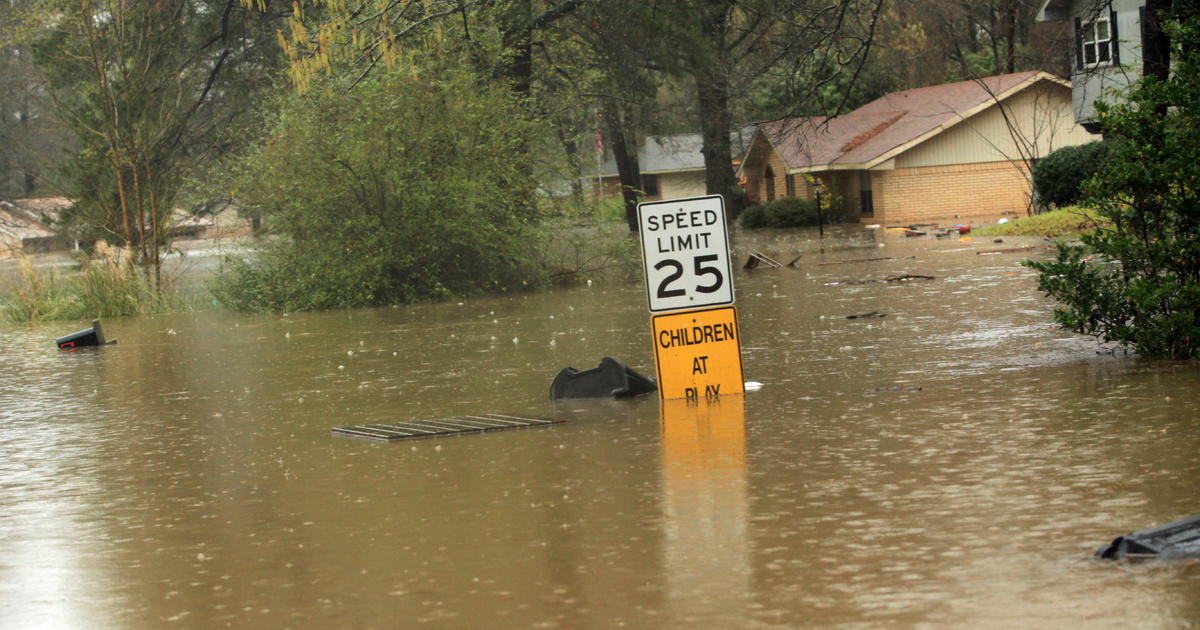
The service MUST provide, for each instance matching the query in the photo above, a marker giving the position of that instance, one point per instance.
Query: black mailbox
(93, 336)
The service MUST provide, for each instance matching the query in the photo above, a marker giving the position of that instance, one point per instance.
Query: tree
(29, 137)
(1138, 283)
(402, 189)
(969, 40)
(143, 84)
(624, 46)
(727, 45)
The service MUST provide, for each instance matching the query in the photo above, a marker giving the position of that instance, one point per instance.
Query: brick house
(946, 152)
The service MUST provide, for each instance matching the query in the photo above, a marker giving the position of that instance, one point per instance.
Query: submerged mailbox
(1177, 539)
(609, 379)
(93, 336)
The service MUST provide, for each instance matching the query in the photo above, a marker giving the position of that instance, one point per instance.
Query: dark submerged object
(1177, 539)
(610, 379)
(93, 336)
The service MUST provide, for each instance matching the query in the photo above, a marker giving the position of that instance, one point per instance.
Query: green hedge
(788, 212)
(1058, 176)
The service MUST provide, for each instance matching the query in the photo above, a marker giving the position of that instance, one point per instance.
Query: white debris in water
(349, 353)
(341, 367)
(516, 340)
(554, 342)
(287, 335)
(752, 386)
(300, 400)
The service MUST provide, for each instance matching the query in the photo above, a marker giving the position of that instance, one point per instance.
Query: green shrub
(1057, 178)
(405, 188)
(789, 212)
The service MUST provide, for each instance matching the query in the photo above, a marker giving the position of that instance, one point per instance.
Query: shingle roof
(890, 124)
(23, 219)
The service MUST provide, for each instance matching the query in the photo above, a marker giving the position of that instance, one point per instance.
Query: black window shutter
(1078, 44)
(1112, 31)
(1141, 27)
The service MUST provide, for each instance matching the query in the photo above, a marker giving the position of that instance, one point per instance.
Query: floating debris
(758, 258)
(862, 260)
(867, 315)
(906, 277)
(414, 429)
(1011, 250)
(1177, 539)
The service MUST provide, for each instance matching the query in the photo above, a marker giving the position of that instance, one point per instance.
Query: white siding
(1097, 83)
(680, 185)
(1041, 116)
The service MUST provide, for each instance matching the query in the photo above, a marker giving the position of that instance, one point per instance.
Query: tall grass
(108, 285)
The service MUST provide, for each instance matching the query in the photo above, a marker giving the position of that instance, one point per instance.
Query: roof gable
(890, 124)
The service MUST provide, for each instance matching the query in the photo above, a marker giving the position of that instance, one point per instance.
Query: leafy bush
(789, 212)
(405, 188)
(1057, 178)
(1138, 283)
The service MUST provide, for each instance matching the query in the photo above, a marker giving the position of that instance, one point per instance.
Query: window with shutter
(1097, 42)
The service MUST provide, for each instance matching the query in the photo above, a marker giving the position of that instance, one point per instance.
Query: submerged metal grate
(441, 426)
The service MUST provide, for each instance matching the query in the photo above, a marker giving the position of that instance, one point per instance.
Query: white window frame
(1095, 51)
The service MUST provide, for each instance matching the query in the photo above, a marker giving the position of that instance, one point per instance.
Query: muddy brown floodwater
(953, 464)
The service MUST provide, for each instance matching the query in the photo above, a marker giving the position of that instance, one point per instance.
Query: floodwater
(953, 464)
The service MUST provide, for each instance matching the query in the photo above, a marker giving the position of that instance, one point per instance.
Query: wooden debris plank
(437, 427)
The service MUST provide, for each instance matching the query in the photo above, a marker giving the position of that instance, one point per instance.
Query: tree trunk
(628, 169)
(715, 125)
(716, 121)
(1010, 35)
(517, 47)
(1156, 46)
(574, 162)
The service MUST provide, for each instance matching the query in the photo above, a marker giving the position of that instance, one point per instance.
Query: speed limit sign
(685, 253)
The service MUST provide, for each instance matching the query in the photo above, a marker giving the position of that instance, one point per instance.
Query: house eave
(1053, 11)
